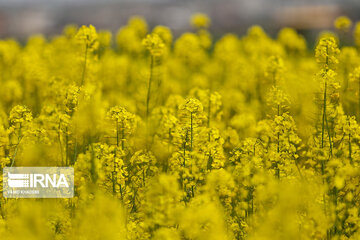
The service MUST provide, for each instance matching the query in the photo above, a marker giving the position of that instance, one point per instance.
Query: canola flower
(200, 20)
(342, 23)
(246, 137)
(87, 36)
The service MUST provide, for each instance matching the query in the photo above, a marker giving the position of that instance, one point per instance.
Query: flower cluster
(154, 44)
(185, 138)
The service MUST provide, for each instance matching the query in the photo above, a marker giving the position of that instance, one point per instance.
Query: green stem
(114, 179)
(85, 63)
(61, 147)
(16, 148)
(66, 146)
(359, 99)
(209, 111)
(191, 132)
(329, 134)
(149, 87)
(123, 136)
(143, 173)
(324, 107)
(350, 158)
(2, 210)
(278, 134)
(323, 117)
(114, 159)
(278, 145)
(117, 133)
(121, 192)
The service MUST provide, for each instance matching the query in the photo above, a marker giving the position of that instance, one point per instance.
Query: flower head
(342, 23)
(164, 33)
(291, 40)
(192, 105)
(88, 35)
(154, 44)
(274, 68)
(200, 20)
(355, 75)
(357, 34)
(121, 115)
(20, 114)
(326, 51)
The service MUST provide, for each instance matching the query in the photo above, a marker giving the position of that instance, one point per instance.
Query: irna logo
(38, 182)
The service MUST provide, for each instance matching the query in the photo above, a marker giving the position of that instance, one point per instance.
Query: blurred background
(21, 18)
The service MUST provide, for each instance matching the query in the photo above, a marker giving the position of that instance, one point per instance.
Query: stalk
(75, 151)
(191, 131)
(184, 164)
(324, 105)
(17, 147)
(143, 175)
(121, 193)
(359, 99)
(61, 147)
(329, 133)
(209, 111)
(184, 146)
(85, 63)
(114, 177)
(149, 87)
(117, 134)
(278, 134)
(122, 136)
(148, 101)
(191, 147)
(278, 145)
(167, 160)
(349, 136)
(169, 144)
(323, 118)
(114, 163)
(208, 125)
(2, 210)
(93, 172)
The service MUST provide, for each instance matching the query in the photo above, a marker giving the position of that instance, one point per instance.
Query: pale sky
(21, 18)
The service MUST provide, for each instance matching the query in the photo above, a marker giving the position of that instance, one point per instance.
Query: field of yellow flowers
(246, 137)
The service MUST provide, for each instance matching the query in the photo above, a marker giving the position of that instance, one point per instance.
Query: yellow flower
(342, 23)
(70, 30)
(355, 75)
(291, 40)
(87, 35)
(139, 25)
(274, 69)
(154, 44)
(164, 33)
(129, 37)
(357, 34)
(326, 52)
(192, 105)
(20, 114)
(200, 20)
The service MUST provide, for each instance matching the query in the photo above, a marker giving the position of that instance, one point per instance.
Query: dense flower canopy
(185, 138)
